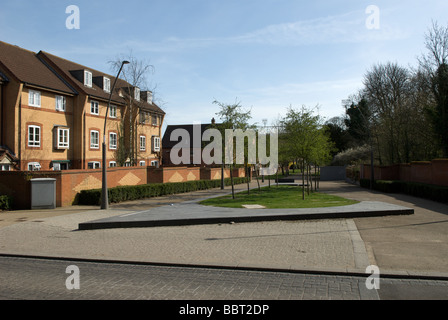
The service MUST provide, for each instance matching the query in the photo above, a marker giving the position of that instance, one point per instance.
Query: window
(137, 94)
(60, 166)
(63, 138)
(94, 165)
(113, 111)
(33, 136)
(155, 163)
(60, 103)
(113, 141)
(142, 143)
(154, 120)
(106, 84)
(94, 108)
(112, 164)
(88, 78)
(143, 117)
(34, 98)
(155, 144)
(94, 139)
(5, 167)
(34, 166)
(142, 163)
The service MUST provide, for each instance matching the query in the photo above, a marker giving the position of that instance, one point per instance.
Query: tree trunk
(303, 179)
(231, 182)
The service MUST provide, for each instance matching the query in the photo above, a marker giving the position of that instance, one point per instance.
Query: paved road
(46, 279)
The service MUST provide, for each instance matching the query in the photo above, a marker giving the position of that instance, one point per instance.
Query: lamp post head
(125, 62)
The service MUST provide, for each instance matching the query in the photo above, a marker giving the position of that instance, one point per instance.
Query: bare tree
(435, 64)
(386, 88)
(436, 42)
(135, 76)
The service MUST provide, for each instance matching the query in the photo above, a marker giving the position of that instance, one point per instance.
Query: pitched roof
(71, 71)
(26, 67)
(6, 153)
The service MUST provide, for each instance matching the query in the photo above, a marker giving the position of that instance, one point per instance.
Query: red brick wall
(213, 173)
(173, 174)
(16, 184)
(429, 172)
(69, 183)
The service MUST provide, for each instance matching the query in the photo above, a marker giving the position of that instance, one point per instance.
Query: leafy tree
(357, 122)
(305, 140)
(234, 117)
(338, 133)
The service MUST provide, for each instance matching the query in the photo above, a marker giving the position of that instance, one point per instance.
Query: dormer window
(137, 94)
(88, 78)
(106, 84)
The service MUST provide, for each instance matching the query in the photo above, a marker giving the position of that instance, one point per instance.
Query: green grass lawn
(277, 198)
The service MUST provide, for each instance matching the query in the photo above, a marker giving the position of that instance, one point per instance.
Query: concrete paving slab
(192, 213)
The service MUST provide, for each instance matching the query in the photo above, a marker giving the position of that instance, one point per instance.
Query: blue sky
(267, 55)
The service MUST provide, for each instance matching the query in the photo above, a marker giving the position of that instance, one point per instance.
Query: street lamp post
(104, 192)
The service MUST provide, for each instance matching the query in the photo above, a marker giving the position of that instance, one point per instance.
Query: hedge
(5, 203)
(127, 193)
(427, 191)
(387, 186)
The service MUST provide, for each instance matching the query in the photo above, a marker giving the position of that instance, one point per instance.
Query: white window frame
(137, 94)
(88, 78)
(142, 117)
(106, 84)
(142, 163)
(35, 166)
(34, 98)
(111, 140)
(95, 108)
(95, 144)
(61, 103)
(142, 143)
(33, 143)
(155, 144)
(5, 167)
(154, 119)
(112, 164)
(94, 164)
(113, 111)
(154, 163)
(63, 133)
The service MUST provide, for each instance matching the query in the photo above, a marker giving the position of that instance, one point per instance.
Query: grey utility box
(43, 194)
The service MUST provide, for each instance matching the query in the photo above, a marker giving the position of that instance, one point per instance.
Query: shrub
(5, 203)
(427, 191)
(127, 193)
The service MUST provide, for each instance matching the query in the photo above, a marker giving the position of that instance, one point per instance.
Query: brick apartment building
(52, 114)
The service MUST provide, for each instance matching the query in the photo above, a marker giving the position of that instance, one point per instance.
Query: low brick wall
(69, 183)
(213, 173)
(430, 172)
(173, 174)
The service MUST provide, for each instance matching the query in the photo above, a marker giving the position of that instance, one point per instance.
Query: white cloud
(344, 28)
